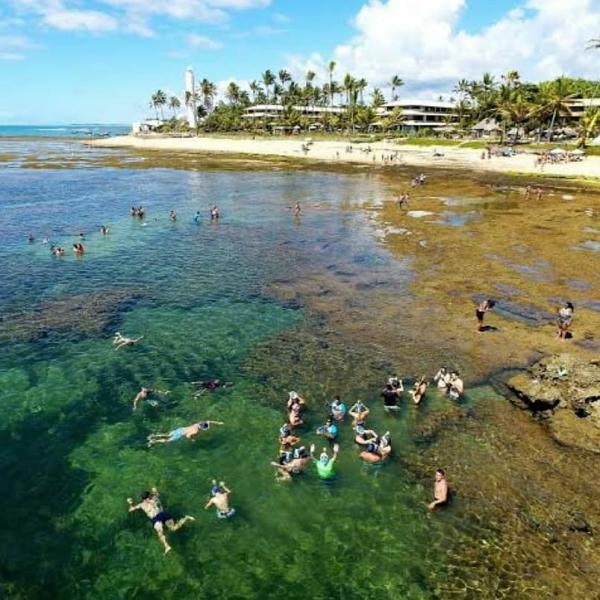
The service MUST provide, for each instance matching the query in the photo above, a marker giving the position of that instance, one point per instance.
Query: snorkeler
(291, 463)
(338, 409)
(152, 507)
(359, 412)
(440, 489)
(419, 390)
(145, 393)
(210, 385)
(175, 435)
(120, 340)
(377, 451)
(363, 435)
(324, 464)
(390, 398)
(220, 500)
(483, 307)
(286, 437)
(329, 430)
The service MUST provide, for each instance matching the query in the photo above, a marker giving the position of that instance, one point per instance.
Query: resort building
(421, 114)
(578, 106)
(272, 114)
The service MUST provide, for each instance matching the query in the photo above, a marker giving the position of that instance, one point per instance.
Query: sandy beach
(453, 157)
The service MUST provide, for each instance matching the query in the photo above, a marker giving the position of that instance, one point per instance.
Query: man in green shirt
(324, 464)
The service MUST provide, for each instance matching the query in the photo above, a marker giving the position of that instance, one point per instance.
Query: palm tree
(208, 90)
(349, 87)
(462, 88)
(361, 86)
(589, 125)
(284, 77)
(254, 88)
(310, 76)
(395, 82)
(158, 101)
(174, 104)
(268, 79)
(555, 98)
(277, 92)
(232, 93)
(330, 69)
(377, 98)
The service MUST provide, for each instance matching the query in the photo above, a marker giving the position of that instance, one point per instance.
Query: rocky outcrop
(565, 390)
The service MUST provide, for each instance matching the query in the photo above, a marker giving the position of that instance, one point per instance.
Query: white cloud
(12, 47)
(203, 42)
(422, 42)
(133, 16)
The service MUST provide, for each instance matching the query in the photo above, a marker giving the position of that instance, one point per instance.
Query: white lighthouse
(190, 97)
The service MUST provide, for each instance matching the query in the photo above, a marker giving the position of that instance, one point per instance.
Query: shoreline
(334, 152)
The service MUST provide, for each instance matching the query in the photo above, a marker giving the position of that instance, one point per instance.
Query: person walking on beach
(565, 318)
(220, 500)
(152, 507)
(175, 435)
(483, 307)
(440, 490)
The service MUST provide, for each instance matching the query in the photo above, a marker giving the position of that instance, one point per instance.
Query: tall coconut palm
(462, 89)
(395, 83)
(208, 90)
(284, 77)
(361, 86)
(232, 93)
(555, 98)
(589, 125)
(159, 100)
(174, 104)
(254, 88)
(330, 69)
(309, 77)
(268, 80)
(377, 98)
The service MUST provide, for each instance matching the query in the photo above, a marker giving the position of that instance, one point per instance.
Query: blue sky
(64, 61)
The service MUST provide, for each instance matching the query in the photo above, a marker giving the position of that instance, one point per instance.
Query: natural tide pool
(270, 303)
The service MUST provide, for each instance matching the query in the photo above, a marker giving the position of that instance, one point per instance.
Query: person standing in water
(197, 217)
(440, 490)
(220, 500)
(325, 464)
(565, 318)
(456, 386)
(214, 213)
(172, 216)
(483, 307)
(297, 210)
(152, 507)
(419, 390)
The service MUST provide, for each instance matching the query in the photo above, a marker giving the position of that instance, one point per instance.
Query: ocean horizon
(73, 130)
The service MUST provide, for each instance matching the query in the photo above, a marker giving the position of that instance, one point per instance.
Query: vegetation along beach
(329, 330)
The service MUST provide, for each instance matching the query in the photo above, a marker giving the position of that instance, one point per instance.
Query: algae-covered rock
(566, 389)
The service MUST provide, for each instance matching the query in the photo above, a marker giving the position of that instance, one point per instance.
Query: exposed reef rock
(565, 390)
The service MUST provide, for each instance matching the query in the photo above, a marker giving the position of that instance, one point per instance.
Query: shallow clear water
(73, 451)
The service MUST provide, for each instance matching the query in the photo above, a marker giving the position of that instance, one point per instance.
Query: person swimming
(145, 393)
(152, 507)
(220, 500)
(175, 435)
(120, 340)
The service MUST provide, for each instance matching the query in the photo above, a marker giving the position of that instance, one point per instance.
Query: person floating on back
(120, 340)
(152, 507)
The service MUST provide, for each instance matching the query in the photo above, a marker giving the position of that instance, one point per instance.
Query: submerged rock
(566, 390)
(79, 313)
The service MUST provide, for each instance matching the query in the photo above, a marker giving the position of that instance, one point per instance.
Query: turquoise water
(74, 130)
(205, 299)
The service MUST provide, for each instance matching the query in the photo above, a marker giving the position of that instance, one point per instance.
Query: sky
(98, 61)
